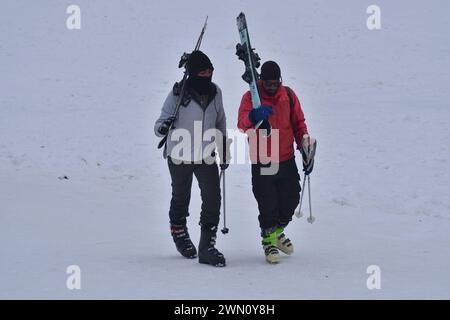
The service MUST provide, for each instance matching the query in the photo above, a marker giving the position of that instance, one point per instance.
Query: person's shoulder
(171, 94)
(217, 87)
(246, 98)
(289, 90)
(176, 89)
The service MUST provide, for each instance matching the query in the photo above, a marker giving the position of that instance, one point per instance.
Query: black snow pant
(277, 195)
(208, 180)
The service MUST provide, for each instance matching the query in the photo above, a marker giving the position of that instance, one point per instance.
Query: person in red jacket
(277, 194)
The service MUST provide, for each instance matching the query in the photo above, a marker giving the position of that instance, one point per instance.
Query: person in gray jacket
(201, 118)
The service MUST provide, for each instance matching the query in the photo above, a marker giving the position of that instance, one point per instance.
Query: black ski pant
(208, 180)
(277, 195)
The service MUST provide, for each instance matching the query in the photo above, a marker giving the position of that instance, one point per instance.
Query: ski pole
(299, 213)
(225, 229)
(310, 219)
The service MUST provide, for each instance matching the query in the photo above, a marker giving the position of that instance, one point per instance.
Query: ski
(181, 64)
(251, 59)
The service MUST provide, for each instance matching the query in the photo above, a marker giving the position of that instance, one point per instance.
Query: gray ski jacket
(196, 130)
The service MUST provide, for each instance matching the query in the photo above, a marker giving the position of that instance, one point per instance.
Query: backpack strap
(291, 100)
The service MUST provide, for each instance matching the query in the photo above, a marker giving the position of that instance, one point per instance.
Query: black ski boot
(207, 253)
(182, 241)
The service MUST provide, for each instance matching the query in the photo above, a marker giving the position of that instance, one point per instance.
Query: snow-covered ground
(82, 103)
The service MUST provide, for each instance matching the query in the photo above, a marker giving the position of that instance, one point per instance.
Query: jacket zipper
(203, 128)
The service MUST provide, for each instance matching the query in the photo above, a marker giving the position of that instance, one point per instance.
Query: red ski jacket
(290, 123)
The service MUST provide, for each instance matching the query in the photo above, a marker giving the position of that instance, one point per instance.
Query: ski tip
(241, 17)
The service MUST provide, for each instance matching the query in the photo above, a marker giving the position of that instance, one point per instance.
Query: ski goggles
(272, 84)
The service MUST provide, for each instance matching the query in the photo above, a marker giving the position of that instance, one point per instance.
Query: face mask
(201, 85)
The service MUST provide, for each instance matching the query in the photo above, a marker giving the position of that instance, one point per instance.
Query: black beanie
(198, 61)
(270, 71)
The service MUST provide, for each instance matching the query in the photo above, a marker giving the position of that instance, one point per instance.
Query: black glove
(308, 151)
(226, 154)
(164, 127)
(307, 165)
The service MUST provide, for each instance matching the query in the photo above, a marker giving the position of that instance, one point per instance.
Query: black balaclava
(198, 61)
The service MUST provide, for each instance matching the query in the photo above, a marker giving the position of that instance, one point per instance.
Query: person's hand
(308, 151)
(164, 127)
(260, 114)
(225, 157)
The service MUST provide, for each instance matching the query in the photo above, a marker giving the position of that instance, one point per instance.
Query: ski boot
(283, 242)
(182, 241)
(207, 253)
(269, 243)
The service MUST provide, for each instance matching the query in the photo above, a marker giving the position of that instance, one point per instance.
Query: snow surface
(82, 104)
